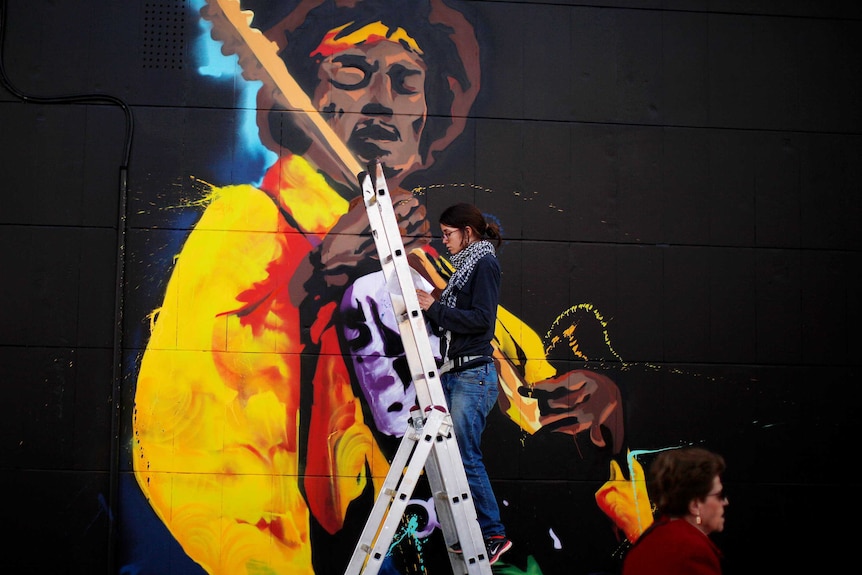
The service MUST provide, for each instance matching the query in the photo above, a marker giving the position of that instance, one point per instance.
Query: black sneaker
(497, 545)
(456, 548)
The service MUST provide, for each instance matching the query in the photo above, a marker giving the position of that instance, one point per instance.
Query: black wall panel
(686, 170)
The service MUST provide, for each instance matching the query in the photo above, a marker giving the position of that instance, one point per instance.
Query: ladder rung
(425, 376)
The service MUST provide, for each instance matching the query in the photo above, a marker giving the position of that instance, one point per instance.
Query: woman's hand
(425, 299)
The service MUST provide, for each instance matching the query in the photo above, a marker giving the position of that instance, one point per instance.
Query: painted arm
(217, 395)
(217, 448)
(533, 394)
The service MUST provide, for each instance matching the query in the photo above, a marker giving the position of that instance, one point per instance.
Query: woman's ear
(694, 509)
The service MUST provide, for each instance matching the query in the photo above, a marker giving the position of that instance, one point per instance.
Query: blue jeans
(470, 395)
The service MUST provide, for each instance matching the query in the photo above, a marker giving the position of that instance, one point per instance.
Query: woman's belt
(459, 362)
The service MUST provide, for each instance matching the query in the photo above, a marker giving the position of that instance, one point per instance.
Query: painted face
(371, 331)
(712, 508)
(373, 96)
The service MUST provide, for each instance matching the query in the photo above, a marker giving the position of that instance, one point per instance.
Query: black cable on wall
(117, 372)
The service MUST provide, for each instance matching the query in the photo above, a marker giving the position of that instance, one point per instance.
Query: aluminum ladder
(429, 443)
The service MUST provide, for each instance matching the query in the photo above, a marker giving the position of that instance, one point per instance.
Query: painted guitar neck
(258, 57)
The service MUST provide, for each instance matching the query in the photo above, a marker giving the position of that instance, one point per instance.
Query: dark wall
(690, 169)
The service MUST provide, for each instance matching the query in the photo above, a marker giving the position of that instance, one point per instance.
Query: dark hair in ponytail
(468, 216)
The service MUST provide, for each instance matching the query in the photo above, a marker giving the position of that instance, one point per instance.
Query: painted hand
(579, 401)
(348, 249)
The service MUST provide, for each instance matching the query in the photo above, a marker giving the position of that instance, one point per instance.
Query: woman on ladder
(465, 316)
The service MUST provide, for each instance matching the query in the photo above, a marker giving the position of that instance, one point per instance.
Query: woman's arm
(477, 315)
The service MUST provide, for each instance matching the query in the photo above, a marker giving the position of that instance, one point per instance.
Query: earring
(697, 519)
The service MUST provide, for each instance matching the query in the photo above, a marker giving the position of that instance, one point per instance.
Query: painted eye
(349, 77)
(349, 72)
(406, 81)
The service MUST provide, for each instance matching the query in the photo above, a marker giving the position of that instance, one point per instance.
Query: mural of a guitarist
(273, 389)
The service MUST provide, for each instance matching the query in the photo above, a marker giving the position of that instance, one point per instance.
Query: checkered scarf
(464, 262)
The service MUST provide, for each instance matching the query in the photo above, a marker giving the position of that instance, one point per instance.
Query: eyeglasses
(721, 495)
(448, 233)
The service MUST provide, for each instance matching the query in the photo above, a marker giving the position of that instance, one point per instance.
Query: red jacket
(673, 547)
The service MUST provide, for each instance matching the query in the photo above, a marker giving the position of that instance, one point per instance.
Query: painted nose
(381, 91)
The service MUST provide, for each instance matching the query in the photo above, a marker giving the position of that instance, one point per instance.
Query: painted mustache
(365, 140)
(371, 130)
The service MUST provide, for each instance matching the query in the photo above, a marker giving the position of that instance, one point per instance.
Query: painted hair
(468, 216)
(677, 476)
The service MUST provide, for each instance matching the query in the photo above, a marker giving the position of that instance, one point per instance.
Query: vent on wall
(164, 34)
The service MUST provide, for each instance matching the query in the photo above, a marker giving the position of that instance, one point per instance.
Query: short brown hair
(679, 475)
